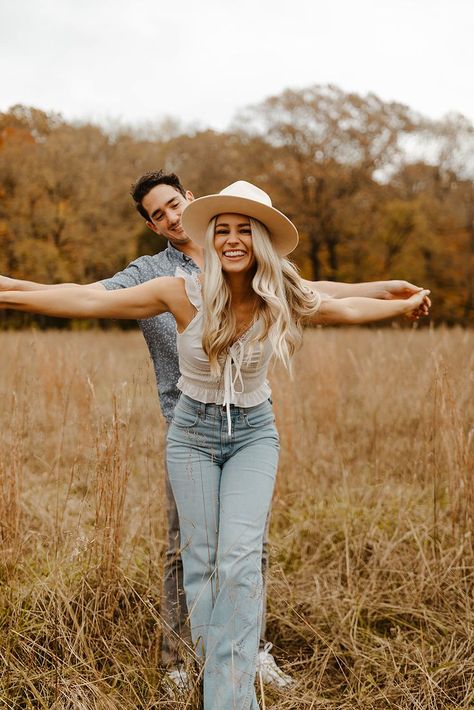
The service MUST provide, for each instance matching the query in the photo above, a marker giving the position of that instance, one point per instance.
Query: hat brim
(198, 213)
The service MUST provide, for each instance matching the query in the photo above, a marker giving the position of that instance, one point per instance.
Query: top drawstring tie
(232, 376)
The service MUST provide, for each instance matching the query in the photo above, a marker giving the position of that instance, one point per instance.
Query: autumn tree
(332, 146)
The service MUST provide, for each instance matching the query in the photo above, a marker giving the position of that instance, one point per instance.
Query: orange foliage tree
(376, 190)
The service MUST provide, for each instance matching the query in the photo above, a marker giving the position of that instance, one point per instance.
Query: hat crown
(245, 189)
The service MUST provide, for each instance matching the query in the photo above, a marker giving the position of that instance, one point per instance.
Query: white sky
(201, 60)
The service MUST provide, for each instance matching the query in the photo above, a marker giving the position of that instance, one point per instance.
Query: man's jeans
(223, 486)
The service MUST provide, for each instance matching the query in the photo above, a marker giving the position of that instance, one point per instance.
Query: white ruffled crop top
(243, 378)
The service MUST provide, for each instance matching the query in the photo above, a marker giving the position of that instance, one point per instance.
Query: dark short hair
(147, 182)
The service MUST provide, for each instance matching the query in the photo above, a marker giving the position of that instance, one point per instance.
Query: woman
(222, 444)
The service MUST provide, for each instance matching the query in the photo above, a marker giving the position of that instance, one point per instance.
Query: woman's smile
(234, 253)
(233, 240)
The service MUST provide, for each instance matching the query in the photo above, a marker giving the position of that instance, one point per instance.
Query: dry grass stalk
(12, 457)
(112, 474)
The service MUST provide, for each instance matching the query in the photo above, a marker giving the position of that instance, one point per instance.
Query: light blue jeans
(223, 487)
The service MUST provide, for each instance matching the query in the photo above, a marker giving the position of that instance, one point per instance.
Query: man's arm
(386, 290)
(137, 272)
(9, 284)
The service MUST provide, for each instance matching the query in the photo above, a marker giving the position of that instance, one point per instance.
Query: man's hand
(399, 289)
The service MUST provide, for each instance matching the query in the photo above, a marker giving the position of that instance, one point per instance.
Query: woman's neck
(240, 286)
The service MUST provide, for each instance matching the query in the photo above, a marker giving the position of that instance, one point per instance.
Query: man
(160, 199)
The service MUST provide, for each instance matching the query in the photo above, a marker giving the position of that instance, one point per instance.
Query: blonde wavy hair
(283, 300)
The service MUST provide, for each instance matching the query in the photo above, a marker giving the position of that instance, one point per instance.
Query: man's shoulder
(153, 265)
(150, 266)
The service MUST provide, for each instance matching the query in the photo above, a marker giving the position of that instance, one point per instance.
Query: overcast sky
(200, 61)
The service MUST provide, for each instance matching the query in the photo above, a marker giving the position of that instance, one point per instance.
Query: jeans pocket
(260, 416)
(185, 418)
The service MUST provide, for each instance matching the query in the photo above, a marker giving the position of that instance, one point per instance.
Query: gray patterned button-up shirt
(158, 331)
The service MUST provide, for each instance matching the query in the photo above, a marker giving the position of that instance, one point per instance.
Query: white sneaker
(177, 681)
(269, 672)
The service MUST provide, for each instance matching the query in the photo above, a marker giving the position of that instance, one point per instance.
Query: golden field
(371, 586)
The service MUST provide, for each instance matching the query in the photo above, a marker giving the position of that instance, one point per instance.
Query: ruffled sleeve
(192, 286)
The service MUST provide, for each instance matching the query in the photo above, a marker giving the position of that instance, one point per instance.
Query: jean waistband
(210, 408)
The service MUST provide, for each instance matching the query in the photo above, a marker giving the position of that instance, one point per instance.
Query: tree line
(375, 189)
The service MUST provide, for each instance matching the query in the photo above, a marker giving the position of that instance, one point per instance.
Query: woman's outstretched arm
(358, 310)
(148, 299)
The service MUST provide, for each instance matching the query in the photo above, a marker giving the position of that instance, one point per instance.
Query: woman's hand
(418, 305)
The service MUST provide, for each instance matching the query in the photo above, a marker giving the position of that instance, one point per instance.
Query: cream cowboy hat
(240, 198)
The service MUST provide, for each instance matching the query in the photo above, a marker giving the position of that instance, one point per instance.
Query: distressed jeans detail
(223, 485)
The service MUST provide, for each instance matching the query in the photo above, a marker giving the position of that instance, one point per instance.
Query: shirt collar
(177, 256)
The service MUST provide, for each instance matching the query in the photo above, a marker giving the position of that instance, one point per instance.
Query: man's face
(165, 206)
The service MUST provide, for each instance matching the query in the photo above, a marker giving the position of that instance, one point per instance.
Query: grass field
(371, 587)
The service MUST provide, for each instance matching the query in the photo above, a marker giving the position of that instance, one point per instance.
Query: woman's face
(233, 242)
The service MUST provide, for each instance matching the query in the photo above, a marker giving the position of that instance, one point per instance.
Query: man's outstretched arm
(385, 290)
(9, 284)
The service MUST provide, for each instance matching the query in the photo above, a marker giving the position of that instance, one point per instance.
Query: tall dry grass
(371, 581)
